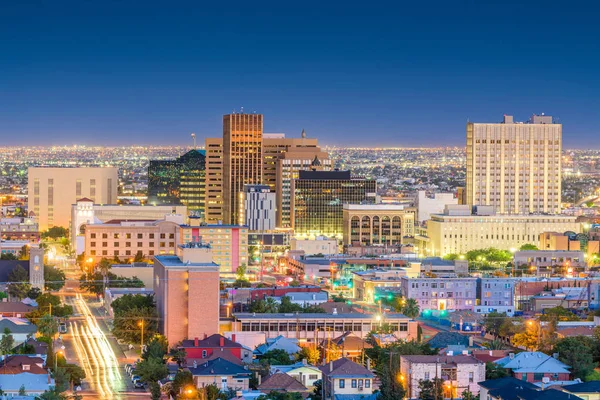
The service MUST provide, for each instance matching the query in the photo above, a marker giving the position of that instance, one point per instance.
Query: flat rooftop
(173, 261)
(317, 316)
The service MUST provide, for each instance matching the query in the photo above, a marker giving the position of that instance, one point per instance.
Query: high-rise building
(178, 181)
(258, 209)
(51, 191)
(186, 289)
(214, 180)
(242, 159)
(515, 167)
(318, 198)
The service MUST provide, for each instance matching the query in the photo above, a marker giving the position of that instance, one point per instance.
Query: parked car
(138, 384)
(128, 367)
(135, 378)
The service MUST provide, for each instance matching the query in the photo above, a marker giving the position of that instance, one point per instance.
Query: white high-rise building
(258, 208)
(514, 166)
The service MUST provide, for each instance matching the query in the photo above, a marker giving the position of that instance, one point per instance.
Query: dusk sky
(350, 73)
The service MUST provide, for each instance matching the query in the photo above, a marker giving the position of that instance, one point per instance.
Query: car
(135, 378)
(128, 367)
(138, 384)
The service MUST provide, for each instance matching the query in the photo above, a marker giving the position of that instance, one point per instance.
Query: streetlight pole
(141, 324)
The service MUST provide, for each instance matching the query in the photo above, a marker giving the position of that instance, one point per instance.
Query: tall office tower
(178, 181)
(214, 180)
(186, 289)
(258, 209)
(51, 191)
(515, 167)
(318, 198)
(288, 168)
(242, 159)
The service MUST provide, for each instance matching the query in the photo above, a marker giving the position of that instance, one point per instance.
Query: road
(90, 345)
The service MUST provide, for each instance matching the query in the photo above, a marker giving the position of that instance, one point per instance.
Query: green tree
(494, 371)
(7, 343)
(156, 347)
(50, 304)
(56, 232)
(8, 256)
(578, 352)
(152, 370)
(528, 246)
(287, 306)
(411, 308)
(178, 354)
(181, 380)
(104, 266)
(468, 395)
(494, 345)
(18, 282)
(34, 293)
(431, 389)
(281, 396)
(493, 322)
(127, 325)
(276, 357)
(129, 301)
(316, 394)
(558, 314)
(54, 278)
(47, 325)
(451, 257)
(311, 354)
(269, 305)
(139, 256)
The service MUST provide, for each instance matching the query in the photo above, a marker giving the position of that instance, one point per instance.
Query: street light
(141, 325)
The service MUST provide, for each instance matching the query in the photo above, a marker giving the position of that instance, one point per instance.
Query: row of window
(139, 244)
(128, 236)
(354, 383)
(322, 326)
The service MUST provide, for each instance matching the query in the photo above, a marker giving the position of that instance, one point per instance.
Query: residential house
(510, 388)
(16, 309)
(350, 345)
(533, 366)
(199, 350)
(225, 374)
(282, 383)
(489, 355)
(459, 373)
(301, 371)
(20, 328)
(304, 298)
(23, 370)
(444, 339)
(39, 348)
(345, 379)
(278, 343)
(587, 390)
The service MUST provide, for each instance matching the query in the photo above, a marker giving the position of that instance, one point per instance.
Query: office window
(93, 244)
(140, 235)
(105, 236)
(163, 235)
(116, 235)
(93, 235)
(140, 244)
(116, 244)
(151, 235)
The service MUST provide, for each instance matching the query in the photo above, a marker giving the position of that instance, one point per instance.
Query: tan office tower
(515, 167)
(214, 180)
(51, 191)
(242, 159)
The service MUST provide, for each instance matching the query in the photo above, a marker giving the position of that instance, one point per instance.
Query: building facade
(242, 159)
(213, 209)
(183, 283)
(258, 209)
(458, 234)
(441, 294)
(17, 228)
(122, 239)
(435, 203)
(229, 243)
(318, 199)
(495, 295)
(515, 167)
(377, 224)
(51, 191)
(179, 181)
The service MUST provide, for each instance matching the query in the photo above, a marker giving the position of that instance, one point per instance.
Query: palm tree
(494, 345)
(411, 308)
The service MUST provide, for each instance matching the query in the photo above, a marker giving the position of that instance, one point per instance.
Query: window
(140, 235)
(342, 383)
(93, 235)
(127, 244)
(313, 377)
(360, 383)
(163, 235)
(151, 235)
(171, 236)
(537, 376)
(524, 377)
(128, 236)
(116, 244)
(116, 235)
(204, 353)
(426, 376)
(162, 244)
(104, 244)
(367, 383)
(354, 383)
(471, 377)
(105, 236)
(104, 252)
(93, 244)
(140, 244)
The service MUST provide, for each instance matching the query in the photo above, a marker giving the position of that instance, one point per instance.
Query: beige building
(515, 167)
(84, 212)
(186, 288)
(229, 243)
(51, 191)
(320, 245)
(457, 234)
(214, 180)
(123, 239)
(377, 224)
(242, 159)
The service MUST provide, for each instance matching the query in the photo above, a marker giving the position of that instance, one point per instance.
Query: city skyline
(412, 76)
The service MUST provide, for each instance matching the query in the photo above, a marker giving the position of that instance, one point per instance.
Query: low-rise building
(289, 345)
(20, 229)
(534, 366)
(459, 373)
(20, 329)
(281, 383)
(23, 370)
(377, 224)
(346, 378)
(441, 294)
(495, 295)
(545, 262)
(586, 390)
(199, 349)
(222, 373)
(304, 298)
(365, 283)
(304, 373)
(320, 245)
(16, 309)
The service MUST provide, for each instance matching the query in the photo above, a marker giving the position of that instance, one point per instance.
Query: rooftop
(448, 360)
(533, 361)
(345, 367)
(317, 316)
(173, 261)
(281, 382)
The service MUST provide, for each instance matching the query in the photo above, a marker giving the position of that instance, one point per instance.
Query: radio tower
(194, 139)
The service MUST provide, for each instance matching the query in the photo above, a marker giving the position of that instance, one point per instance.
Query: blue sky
(350, 73)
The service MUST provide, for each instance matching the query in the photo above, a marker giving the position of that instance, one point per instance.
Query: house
(351, 345)
(20, 328)
(39, 348)
(225, 374)
(445, 339)
(459, 373)
(510, 388)
(587, 390)
(344, 379)
(301, 371)
(199, 350)
(489, 355)
(22, 370)
(278, 343)
(282, 383)
(16, 309)
(533, 366)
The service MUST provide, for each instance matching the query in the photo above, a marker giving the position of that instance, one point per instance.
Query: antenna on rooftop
(194, 139)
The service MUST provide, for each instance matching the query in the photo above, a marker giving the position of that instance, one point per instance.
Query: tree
(468, 395)
(311, 354)
(493, 322)
(178, 354)
(241, 272)
(494, 371)
(24, 253)
(156, 347)
(22, 391)
(528, 246)
(47, 325)
(411, 308)
(127, 325)
(56, 232)
(139, 256)
(181, 380)
(129, 301)
(54, 278)
(269, 305)
(152, 370)
(494, 345)
(431, 389)
(7, 343)
(281, 396)
(286, 305)
(18, 279)
(276, 357)
(558, 314)
(578, 352)
(316, 394)
(34, 293)
(50, 304)
(8, 256)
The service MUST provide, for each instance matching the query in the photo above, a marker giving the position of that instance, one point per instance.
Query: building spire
(303, 134)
